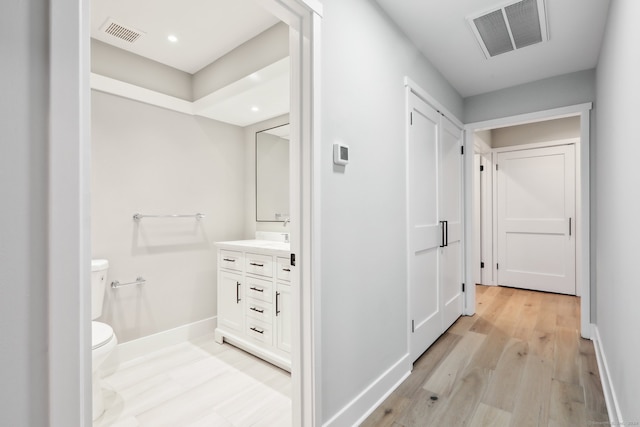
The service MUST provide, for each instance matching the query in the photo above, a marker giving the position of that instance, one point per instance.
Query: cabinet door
(283, 317)
(230, 302)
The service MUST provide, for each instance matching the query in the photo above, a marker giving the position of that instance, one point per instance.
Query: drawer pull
(256, 289)
(286, 269)
(256, 309)
(256, 264)
(257, 330)
(228, 260)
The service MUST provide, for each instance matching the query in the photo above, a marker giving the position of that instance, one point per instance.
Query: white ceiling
(206, 29)
(440, 30)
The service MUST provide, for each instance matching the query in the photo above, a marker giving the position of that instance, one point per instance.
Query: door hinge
(497, 266)
(496, 166)
(462, 149)
(293, 259)
(413, 325)
(481, 264)
(481, 168)
(463, 287)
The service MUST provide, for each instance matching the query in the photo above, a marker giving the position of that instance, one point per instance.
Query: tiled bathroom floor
(197, 383)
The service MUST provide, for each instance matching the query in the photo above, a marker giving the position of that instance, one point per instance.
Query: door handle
(569, 226)
(238, 292)
(442, 243)
(445, 233)
(277, 298)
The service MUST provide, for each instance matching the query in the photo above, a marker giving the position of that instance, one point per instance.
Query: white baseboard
(613, 407)
(356, 411)
(130, 350)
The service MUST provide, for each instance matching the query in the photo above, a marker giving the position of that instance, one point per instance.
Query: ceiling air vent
(510, 27)
(122, 32)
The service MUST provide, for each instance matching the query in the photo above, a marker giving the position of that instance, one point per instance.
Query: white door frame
(69, 251)
(583, 251)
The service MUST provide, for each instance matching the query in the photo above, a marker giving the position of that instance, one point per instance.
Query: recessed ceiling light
(255, 109)
(172, 38)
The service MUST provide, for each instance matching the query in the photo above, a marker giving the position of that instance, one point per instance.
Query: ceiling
(441, 32)
(205, 29)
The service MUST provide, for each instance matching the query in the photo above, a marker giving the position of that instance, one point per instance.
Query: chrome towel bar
(139, 216)
(139, 281)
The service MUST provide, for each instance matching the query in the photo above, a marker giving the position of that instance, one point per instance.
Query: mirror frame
(256, 174)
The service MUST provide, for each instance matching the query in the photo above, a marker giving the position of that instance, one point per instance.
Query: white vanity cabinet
(254, 299)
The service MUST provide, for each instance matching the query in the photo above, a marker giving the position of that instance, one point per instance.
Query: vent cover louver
(122, 32)
(510, 27)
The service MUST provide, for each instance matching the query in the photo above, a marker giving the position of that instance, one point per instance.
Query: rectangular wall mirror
(272, 174)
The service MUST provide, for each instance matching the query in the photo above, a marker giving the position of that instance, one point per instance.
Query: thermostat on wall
(340, 154)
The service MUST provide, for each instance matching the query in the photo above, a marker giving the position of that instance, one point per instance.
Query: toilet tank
(98, 285)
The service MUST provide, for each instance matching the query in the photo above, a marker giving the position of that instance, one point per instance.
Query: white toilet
(103, 340)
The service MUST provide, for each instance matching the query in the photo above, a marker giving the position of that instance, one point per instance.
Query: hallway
(519, 361)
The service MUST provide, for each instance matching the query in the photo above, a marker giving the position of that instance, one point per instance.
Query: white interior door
(424, 230)
(536, 219)
(449, 205)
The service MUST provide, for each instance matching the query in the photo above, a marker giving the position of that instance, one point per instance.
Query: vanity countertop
(268, 247)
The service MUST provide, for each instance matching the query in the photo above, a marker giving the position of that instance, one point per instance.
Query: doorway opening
(69, 239)
(529, 199)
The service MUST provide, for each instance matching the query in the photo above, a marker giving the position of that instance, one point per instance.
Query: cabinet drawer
(260, 331)
(230, 260)
(259, 289)
(283, 268)
(260, 310)
(259, 264)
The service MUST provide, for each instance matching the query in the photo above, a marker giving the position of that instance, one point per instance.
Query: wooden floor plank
(532, 403)
(489, 416)
(506, 379)
(465, 399)
(567, 360)
(445, 376)
(566, 405)
(519, 361)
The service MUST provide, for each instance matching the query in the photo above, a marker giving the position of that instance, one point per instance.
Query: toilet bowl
(103, 340)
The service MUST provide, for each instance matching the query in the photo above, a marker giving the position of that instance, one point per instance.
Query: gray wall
(264, 49)
(363, 298)
(24, 28)
(155, 161)
(559, 91)
(547, 131)
(128, 67)
(618, 204)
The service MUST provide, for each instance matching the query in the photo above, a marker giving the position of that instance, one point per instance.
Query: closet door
(424, 229)
(450, 208)
(536, 219)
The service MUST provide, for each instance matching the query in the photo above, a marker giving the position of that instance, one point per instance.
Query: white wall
(618, 204)
(23, 216)
(560, 91)
(154, 161)
(364, 301)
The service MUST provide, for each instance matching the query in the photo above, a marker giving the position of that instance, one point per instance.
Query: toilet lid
(101, 333)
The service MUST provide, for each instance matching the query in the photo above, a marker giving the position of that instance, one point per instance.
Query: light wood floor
(198, 383)
(519, 361)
